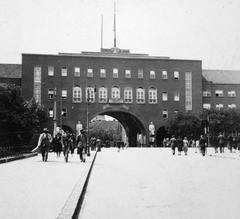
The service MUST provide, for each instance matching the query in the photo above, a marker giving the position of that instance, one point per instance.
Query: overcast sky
(207, 30)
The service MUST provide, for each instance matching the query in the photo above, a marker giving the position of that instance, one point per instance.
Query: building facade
(221, 89)
(136, 89)
(11, 74)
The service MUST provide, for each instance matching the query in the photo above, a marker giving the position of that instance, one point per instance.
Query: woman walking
(57, 144)
(173, 144)
(179, 145)
(185, 145)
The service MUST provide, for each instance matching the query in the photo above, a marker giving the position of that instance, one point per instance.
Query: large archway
(132, 125)
(160, 135)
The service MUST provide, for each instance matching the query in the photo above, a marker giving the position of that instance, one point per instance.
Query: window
(90, 73)
(219, 93)
(77, 72)
(152, 95)
(90, 94)
(176, 96)
(206, 106)
(232, 106)
(127, 73)
(152, 74)
(231, 93)
(37, 83)
(50, 112)
(50, 71)
(140, 95)
(50, 93)
(115, 73)
(140, 73)
(128, 95)
(115, 92)
(164, 96)
(102, 73)
(102, 94)
(64, 112)
(206, 93)
(165, 113)
(164, 75)
(77, 94)
(176, 111)
(176, 75)
(219, 106)
(64, 71)
(188, 90)
(64, 94)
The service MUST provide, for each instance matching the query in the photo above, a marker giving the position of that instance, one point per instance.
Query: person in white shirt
(44, 142)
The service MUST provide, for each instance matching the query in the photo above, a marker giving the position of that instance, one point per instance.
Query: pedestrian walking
(221, 142)
(185, 145)
(179, 145)
(234, 145)
(57, 144)
(73, 144)
(99, 144)
(118, 144)
(44, 142)
(173, 144)
(238, 144)
(230, 143)
(202, 144)
(126, 145)
(197, 146)
(82, 145)
(67, 145)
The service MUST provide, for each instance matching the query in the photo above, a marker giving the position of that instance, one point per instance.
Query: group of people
(233, 143)
(65, 143)
(121, 144)
(183, 144)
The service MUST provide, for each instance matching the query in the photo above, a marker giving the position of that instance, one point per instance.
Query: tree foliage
(17, 114)
(222, 120)
(190, 124)
(106, 134)
(185, 124)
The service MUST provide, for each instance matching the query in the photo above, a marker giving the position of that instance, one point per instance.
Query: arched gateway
(132, 125)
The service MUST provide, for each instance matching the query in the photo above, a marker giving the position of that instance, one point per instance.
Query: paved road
(141, 183)
(32, 189)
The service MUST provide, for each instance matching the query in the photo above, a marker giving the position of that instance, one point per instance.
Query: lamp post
(89, 89)
(88, 100)
(55, 113)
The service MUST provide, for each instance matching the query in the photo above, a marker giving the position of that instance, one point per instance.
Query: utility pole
(55, 113)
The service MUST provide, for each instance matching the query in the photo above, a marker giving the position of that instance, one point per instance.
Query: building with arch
(136, 89)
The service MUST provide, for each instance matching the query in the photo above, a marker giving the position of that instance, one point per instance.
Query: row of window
(219, 93)
(115, 73)
(64, 112)
(115, 94)
(219, 106)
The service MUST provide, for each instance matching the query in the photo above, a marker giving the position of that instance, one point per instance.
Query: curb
(9, 159)
(74, 203)
(232, 158)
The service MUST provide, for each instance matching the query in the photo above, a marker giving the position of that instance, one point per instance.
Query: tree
(222, 120)
(185, 124)
(16, 114)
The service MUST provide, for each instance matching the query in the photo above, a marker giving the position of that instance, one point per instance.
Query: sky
(207, 30)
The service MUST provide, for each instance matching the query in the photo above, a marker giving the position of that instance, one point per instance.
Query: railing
(14, 150)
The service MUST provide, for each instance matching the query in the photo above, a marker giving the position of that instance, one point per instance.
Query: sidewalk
(31, 188)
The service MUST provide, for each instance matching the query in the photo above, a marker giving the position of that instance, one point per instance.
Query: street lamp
(90, 91)
(55, 113)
